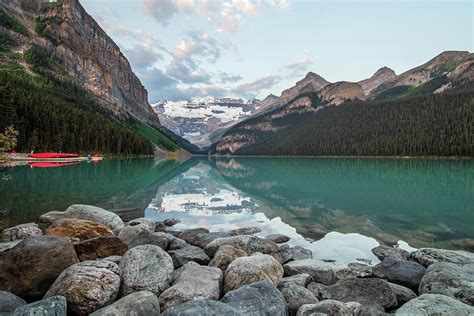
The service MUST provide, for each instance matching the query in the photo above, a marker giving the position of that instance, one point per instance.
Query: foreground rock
(225, 255)
(9, 302)
(100, 247)
(142, 303)
(302, 279)
(87, 212)
(139, 235)
(247, 270)
(283, 254)
(296, 296)
(406, 273)
(330, 307)
(193, 282)
(300, 253)
(259, 298)
(402, 293)
(77, 228)
(373, 294)
(55, 305)
(428, 256)
(245, 231)
(189, 234)
(202, 308)
(187, 254)
(146, 268)
(87, 286)
(435, 304)
(383, 252)
(201, 240)
(450, 279)
(29, 269)
(278, 238)
(7, 246)
(249, 244)
(22, 231)
(148, 223)
(321, 271)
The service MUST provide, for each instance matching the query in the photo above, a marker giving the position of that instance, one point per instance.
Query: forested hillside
(428, 125)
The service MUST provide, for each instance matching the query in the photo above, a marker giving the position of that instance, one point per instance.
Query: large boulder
(435, 304)
(402, 293)
(225, 255)
(29, 269)
(77, 229)
(139, 235)
(202, 308)
(9, 302)
(7, 246)
(247, 270)
(52, 306)
(187, 254)
(201, 240)
(317, 289)
(296, 296)
(406, 273)
(450, 279)
(249, 244)
(326, 272)
(193, 282)
(330, 307)
(382, 252)
(22, 231)
(146, 268)
(428, 256)
(87, 286)
(146, 222)
(257, 299)
(373, 294)
(100, 247)
(95, 214)
(302, 279)
(142, 303)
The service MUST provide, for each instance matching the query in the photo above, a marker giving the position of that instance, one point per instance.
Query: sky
(184, 49)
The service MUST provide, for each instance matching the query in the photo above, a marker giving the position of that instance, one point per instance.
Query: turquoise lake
(423, 202)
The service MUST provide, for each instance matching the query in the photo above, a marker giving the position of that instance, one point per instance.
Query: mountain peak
(381, 76)
(384, 71)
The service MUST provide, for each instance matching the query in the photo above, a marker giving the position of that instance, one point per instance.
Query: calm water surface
(421, 202)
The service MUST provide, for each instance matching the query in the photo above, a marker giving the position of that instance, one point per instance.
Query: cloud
(298, 67)
(142, 56)
(225, 77)
(252, 89)
(230, 23)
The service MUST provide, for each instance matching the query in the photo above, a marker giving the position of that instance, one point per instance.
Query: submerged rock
(202, 308)
(87, 286)
(450, 279)
(29, 269)
(257, 299)
(187, 254)
(296, 296)
(142, 303)
(247, 270)
(428, 256)
(22, 231)
(146, 268)
(383, 252)
(225, 255)
(77, 228)
(249, 244)
(193, 282)
(321, 271)
(52, 306)
(278, 238)
(435, 304)
(9, 302)
(100, 247)
(406, 273)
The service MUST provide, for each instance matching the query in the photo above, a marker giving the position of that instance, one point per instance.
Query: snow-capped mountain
(203, 120)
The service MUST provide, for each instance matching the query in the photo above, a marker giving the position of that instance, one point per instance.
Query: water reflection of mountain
(425, 202)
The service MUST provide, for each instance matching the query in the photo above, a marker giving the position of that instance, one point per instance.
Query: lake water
(421, 202)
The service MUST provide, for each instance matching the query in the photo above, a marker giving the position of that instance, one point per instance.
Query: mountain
(433, 116)
(60, 41)
(202, 121)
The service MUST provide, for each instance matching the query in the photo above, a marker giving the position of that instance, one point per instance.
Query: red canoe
(51, 164)
(53, 155)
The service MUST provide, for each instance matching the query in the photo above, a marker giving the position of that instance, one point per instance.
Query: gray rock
(330, 307)
(100, 247)
(148, 223)
(29, 269)
(21, 231)
(146, 268)
(139, 235)
(177, 243)
(52, 306)
(361, 270)
(402, 293)
(382, 252)
(187, 254)
(189, 234)
(406, 273)
(249, 244)
(225, 255)
(87, 286)
(48, 218)
(428, 256)
(317, 289)
(245, 231)
(202, 308)
(283, 254)
(193, 282)
(278, 238)
(246, 270)
(142, 303)
(435, 304)
(203, 239)
(302, 279)
(9, 302)
(321, 271)
(7, 246)
(96, 214)
(115, 259)
(373, 294)
(296, 296)
(257, 299)
(171, 222)
(450, 279)
(300, 253)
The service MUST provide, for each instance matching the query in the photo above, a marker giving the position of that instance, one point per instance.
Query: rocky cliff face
(381, 76)
(339, 92)
(87, 53)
